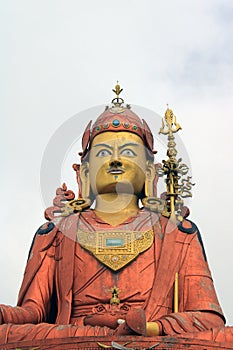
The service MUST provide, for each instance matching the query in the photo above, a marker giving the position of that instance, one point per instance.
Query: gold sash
(115, 249)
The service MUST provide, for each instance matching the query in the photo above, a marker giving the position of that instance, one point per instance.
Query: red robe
(60, 272)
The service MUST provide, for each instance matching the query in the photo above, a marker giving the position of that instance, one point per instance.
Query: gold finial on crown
(117, 101)
(117, 89)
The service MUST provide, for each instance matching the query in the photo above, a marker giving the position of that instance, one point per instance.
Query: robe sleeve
(37, 286)
(199, 309)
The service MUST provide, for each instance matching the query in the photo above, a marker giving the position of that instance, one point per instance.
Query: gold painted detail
(117, 101)
(117, 90)
(75, 206)
(176, 293)
(115, 249)
(115, 296)
(154, 204)
(171, 125)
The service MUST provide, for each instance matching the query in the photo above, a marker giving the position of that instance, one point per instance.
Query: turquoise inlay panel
(110, 242)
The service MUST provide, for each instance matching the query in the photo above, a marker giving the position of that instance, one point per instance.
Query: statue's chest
(115, 248)
(93, 280)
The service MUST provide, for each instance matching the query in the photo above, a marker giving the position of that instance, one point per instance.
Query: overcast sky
(59, 58)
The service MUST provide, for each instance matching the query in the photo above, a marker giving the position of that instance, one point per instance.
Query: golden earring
(83, 200)
(150, 201)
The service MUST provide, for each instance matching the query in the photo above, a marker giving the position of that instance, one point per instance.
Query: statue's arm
(199, 308)
(37, 285)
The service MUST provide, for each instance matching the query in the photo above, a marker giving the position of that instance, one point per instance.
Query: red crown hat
(118, 118)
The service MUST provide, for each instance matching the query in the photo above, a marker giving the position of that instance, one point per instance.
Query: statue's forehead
(119, 137)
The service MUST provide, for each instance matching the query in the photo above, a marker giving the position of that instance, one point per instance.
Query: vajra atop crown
(117, 102)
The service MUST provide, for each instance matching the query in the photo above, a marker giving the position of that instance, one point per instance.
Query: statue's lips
(116, 171)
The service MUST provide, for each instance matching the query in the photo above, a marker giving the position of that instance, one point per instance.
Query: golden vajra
(117, 89)
(117, 101)
(115, 293)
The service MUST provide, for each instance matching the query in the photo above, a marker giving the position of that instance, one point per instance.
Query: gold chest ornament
(115, 248)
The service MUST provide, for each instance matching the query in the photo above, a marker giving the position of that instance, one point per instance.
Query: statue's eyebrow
(103, 145)
(129, 144)
(120, 147)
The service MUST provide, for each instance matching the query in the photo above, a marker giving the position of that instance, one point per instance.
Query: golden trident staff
(176, 293)
(173, 170)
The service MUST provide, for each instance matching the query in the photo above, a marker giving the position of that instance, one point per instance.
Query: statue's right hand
(102, 320)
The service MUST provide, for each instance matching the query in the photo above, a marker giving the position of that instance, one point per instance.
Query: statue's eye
(128, 153)
(103, 153)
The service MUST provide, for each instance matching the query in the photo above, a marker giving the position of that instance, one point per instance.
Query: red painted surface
(127, 342)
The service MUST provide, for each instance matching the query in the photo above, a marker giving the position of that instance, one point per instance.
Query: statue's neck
(115, 208)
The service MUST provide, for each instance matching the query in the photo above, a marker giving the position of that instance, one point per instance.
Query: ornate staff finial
(173, 169)
(171, 125)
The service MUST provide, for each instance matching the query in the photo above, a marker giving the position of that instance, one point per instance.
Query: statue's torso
(93, 280)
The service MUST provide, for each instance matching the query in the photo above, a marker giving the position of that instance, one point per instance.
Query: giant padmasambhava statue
(122, 268)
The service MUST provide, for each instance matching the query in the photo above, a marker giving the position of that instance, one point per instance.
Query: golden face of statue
(117, 163)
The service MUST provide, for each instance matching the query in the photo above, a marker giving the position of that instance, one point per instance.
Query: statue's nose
(115, 163)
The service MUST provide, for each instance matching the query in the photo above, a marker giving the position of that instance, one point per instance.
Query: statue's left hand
(152, 329)
(135, 322)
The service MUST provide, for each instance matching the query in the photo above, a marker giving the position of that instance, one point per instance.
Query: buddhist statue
(118, 260)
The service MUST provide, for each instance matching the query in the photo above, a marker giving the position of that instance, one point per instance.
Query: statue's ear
(150, 177)
(85, 179)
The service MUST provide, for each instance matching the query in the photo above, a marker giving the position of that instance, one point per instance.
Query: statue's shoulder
(45, 229)
(44, 237)
(188, 227)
